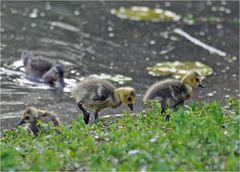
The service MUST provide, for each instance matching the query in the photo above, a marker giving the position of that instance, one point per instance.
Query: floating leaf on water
(192, 20)
(140, 13)
(178, 69)
(120, 79)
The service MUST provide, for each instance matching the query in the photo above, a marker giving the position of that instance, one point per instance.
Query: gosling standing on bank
(173, 92)
(97, 94)
(31, 116)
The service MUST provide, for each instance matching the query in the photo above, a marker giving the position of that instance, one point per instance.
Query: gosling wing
(26, 56)
(38, 67)
(102, 94)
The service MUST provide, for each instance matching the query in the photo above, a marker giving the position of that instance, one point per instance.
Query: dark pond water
(88, 39)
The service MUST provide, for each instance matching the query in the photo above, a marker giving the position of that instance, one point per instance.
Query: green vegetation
(199, 137)
(192, 20)
(178, 69)
(141, 13)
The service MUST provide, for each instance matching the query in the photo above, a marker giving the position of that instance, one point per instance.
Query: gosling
(97, 94)
(31, 116)
(172, 92)
(40, 69)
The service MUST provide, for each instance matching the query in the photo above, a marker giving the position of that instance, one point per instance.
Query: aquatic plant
(178, 69)
(141, 13)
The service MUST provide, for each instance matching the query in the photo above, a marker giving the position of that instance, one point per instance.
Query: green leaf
(141, 13)
(178, 69)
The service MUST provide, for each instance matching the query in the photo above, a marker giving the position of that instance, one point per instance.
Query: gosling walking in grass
(97, 94)
(40, 69)
(31, 116)
(173, 92)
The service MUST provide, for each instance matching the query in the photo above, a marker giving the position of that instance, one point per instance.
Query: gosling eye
(129, 99)
(197, 79)
(27, 117)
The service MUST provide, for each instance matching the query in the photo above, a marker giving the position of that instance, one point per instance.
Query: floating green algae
(120, 79)
(192, 20)
(141, 13)
(178, 69)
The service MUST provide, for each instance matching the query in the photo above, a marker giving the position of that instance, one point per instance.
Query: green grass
(201, 137)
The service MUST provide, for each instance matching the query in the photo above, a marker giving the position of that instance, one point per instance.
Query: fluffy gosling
(97, 94)
(31, 116)
(40, 69)
(173, 92)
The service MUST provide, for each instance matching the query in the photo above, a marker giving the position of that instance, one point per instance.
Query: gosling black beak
(20, 122)
(130, 106)
(201, 85)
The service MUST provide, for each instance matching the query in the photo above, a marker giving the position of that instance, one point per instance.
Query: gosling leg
(33, 128)
(96, 115)
(86, 114)
(167, 117)
(179, 103)
(164, 107)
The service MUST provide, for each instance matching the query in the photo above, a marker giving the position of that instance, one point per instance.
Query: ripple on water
(64, 26)
(54, 41)
(18, 78)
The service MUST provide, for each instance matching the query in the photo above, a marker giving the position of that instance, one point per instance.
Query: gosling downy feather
(31, 116)
(40, 69)
(173, 92)
(97, 94)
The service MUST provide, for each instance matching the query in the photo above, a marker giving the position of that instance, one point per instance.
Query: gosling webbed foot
(86, 117)
(86, 114)
(96, 115)
(167, 117)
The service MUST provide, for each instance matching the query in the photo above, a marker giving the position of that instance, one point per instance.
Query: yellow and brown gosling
(173, 92)
(97, 94)
(31, 116)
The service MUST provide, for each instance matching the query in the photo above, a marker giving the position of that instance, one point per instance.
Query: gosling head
(193, 79)
(127, 96)
(56, 75)
(29, 115)
(25, 56)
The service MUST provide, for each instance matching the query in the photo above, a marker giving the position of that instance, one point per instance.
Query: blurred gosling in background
(40, 69)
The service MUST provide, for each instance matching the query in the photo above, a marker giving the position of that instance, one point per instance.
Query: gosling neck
(185, 82)
(115, 98)
(40, 113)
